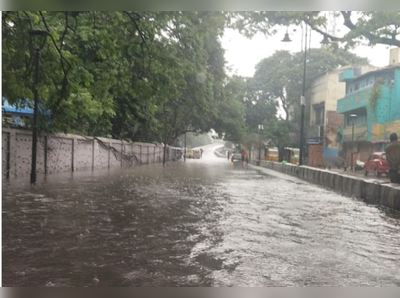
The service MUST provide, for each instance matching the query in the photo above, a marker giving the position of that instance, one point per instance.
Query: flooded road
(197, 223)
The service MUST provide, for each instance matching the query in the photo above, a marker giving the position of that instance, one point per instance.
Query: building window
(370, 81)
(319, 111)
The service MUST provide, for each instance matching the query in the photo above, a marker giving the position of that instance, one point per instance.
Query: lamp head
(40, 33)
(40, 38)
(286, 38)
(325, 41)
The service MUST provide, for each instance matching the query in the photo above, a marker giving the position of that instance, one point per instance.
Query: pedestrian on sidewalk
(393, 158)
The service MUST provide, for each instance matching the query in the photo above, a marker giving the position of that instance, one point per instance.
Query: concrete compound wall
(66, 152)
(374, 192)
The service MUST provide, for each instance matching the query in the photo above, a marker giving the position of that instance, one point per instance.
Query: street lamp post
(260, 128)
(302, 98)
(166, 112)
(352, 117)
(184, 149)
(43, 35)
(303, 101)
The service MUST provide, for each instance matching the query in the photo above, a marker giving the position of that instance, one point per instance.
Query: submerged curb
(374, 192)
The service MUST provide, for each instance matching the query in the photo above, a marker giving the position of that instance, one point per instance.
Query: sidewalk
(354, 184)
(361, 175)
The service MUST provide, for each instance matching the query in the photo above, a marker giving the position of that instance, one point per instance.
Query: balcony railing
(345, 134)
(353, 102)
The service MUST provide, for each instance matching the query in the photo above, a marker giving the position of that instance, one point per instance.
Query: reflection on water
(193, 224)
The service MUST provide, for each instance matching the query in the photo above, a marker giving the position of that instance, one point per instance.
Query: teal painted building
(375, 98)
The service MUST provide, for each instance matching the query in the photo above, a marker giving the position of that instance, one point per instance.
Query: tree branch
(137, 27)
(65, 31)
(371, 37)
(62, 59)
(331, 37)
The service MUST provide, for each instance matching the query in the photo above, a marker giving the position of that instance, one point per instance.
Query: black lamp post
(302, 98)
(352, 117)
(260, 128)
(166, 112)
(39, 34)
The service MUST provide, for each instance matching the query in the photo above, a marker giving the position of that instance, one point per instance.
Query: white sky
(242, 54)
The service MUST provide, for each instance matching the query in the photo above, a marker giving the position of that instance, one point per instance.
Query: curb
(373, 192)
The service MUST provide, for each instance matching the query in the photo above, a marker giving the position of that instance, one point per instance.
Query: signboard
(314, 141)
(313, 131)
(302, 101)
(392, 127)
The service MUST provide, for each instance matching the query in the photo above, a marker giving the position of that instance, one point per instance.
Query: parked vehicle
(377, 164)
(291, 155)
(271, 154)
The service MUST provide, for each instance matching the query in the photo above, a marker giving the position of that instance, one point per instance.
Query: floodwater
(197, 223)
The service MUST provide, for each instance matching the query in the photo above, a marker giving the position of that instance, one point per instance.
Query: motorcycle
(359, 167)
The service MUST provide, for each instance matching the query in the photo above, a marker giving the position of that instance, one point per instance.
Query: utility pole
(165, 134)
(35, 116)
(36, 34)
(303, 100)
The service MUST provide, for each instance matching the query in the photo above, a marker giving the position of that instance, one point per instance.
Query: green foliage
(117, 73)
(280, 77)
(230, 123)
(375, 94)
(278, 82)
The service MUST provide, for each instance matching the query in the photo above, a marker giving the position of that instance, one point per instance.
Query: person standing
(393, 158)
(243, 154)
(232, 160)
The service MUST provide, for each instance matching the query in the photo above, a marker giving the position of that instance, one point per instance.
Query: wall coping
(80, 137)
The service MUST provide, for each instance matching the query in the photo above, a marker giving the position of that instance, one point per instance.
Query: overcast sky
(242, 54)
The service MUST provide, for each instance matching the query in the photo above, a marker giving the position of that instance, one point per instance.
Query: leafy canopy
(370, 27)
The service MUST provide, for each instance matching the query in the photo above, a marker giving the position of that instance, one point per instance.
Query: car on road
(377, 164)
(194, 153)
(237, 155)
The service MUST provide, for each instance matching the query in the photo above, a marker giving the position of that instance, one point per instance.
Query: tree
(281, 75)
(197, 71)
(116, 73)
(231, 121)
(277, 85)
(372, 27)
